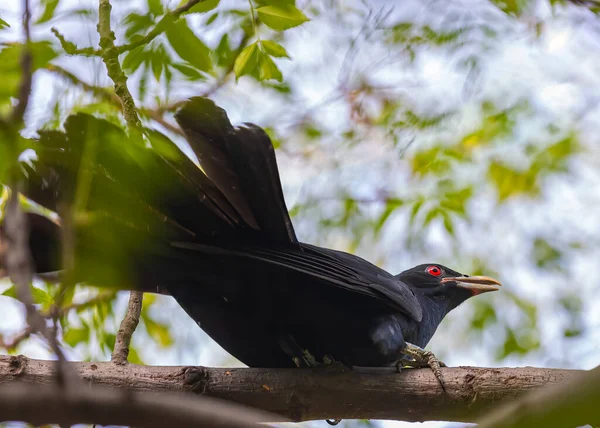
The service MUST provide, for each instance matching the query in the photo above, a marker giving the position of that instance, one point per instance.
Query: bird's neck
(434, 311)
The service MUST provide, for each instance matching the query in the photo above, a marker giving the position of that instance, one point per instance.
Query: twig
(99, 91)
(109, 96)
(110, 57)
(156, 116)
(127, 327)
(54, 313)
(17, 260)
(27, 69)
(71, 49)
(22, 336)
(167, 19)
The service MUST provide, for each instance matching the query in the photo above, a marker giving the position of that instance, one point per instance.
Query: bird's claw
(420, 358)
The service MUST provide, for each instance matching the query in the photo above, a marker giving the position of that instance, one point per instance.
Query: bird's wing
(336, 268)
(241, 163)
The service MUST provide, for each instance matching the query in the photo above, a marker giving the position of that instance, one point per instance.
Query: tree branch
(40, 405)
(110, 56)
(127, 327)
(314, 394)
(26, 68)
(570, 403)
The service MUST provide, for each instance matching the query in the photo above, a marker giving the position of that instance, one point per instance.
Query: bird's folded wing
(336, 268)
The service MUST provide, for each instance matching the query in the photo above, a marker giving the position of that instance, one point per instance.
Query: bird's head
(442, 283)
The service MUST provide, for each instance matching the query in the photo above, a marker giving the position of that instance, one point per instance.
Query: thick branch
(305, 394)
(40, 405)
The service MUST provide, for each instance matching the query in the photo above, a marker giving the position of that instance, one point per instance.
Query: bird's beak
(476, 284)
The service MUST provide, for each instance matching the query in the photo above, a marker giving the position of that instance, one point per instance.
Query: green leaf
(390, 206)
(203, 6)
(415, 210)
(247, 61)
(274, 49)
(510, 182)
(189, 72)
(49, 8)
(224, 53)
(134, 59)
(39, 295)
(75, 336)
(3, 24)
(212, 18)
(157, 66)
(268, 69)
(155, 7)
(188, 46)
(448, 223)
(159, 332)
(281, 17)
(134, 357)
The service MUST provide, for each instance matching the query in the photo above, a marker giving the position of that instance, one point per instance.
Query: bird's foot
(420, 358)
(309, 359)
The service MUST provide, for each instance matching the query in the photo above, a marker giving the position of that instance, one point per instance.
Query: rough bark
(309, 394)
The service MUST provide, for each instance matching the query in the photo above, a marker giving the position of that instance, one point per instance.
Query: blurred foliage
(399, 162)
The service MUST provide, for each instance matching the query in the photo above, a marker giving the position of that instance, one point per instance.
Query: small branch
(127, 327)
(98, 91)
(54, 313)
(22, 336)
(71, 49)
(110, 56)
(17, 260)
(171, 16)
(41, 405)
(315, 394)
(168, 18)
(26, 68)
(63, 310)
(109, 96)
(156, 116)
(570, 403)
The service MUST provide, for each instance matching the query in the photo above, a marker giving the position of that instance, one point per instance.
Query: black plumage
(221, 242)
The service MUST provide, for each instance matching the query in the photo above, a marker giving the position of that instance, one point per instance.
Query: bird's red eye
(434, 271)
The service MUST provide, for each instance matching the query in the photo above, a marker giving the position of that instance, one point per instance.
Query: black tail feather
(241, 162)
(208, 129)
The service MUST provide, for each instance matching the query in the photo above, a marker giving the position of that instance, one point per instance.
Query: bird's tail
(129, 197)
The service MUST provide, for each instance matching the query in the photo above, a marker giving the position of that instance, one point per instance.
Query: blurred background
(460, 132)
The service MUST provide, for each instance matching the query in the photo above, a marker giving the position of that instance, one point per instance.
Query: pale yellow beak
(476, 284)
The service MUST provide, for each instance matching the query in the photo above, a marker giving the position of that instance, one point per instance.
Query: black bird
(221, 242)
